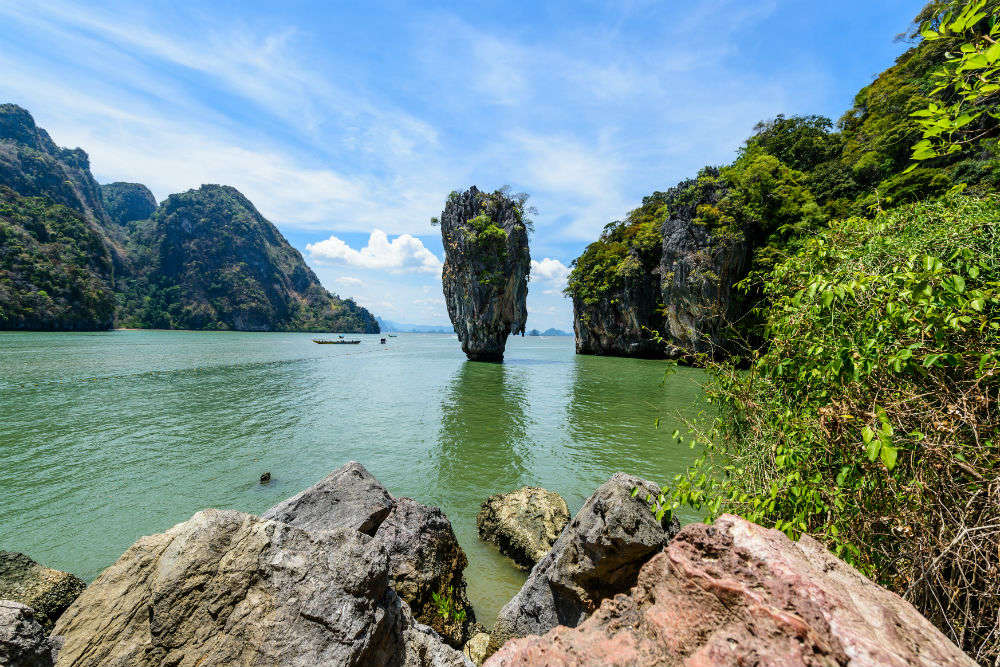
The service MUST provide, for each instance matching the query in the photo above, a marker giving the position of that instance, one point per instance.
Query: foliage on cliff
(796, 174)
(55, 271)
(871, 420)
(211, 261)
(127, 202)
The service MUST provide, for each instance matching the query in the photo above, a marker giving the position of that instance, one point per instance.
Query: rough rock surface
(697, 274)
(736, 594)
(22, 639)
(32, 165)
(48, 592)
(425, 558)
(349, 497)
(621, 324)
(228, 588)
(596, 557)
(127, 202)
(475, 649)
(524, 524)
(485, 275)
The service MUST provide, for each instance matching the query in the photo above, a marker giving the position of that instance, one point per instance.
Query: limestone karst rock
(425, 559)
(597, 556)
(127, 202)
(227, 588)
(734, 593)
(485, 275)
(524, 523)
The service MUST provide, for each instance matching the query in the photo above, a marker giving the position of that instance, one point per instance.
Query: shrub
(870, 420)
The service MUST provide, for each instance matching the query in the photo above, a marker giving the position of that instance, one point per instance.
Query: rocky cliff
(204, 259)
(214, 262)
(485, 276)
(127, 202)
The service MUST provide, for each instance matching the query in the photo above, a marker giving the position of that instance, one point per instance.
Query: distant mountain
(548, 332)
(389, 325)
(127, 202)
(55, 270)
(203, 259)
(211, 261)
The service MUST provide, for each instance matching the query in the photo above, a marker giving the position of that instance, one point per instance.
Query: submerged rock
(228, 588)
(734, 593)
(426, 563)
(596, 557)
(22, 638)
(485, 275)
(524, 524)
(48, 592)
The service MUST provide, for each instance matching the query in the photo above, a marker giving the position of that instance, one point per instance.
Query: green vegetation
(55, 271)
(868, 417)
(445, 605)
(209, 260)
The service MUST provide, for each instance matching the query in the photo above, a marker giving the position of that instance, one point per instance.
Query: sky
(348, 123)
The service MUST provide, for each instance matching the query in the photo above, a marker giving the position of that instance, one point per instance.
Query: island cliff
(76, 255)
(485, 275)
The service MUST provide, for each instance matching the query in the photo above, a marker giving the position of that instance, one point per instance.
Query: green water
(105, 437)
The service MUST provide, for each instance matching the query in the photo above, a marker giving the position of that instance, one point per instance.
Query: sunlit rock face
(485, 275)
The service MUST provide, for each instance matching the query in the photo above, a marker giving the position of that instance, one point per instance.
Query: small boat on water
(339, 341)
(392, 335)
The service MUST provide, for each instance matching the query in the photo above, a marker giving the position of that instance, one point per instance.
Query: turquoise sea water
(105, 437)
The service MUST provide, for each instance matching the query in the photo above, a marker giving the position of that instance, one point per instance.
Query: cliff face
(55, 270)
(127, 202)
(214, 262)
(485, 276)
(699, 266)
(32, 165)
(615, 287)
(660, 283)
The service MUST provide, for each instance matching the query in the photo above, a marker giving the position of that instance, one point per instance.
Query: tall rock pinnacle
(485, 276)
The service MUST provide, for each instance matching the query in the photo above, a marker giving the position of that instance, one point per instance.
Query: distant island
(79, 256)
(548, 332)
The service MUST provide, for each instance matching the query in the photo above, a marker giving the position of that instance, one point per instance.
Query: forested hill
(211, 261)
(660, 281)
(76, 255)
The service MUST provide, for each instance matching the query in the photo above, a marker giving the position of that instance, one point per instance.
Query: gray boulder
(22, 638)
(524, 523)
(228, 588)
(596, 557)
(48, 592)
(349, 497)
(426, 563)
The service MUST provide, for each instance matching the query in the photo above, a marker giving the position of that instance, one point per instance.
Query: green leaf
(889, 455)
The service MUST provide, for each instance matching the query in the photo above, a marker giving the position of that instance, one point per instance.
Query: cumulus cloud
(552, 272)
(404, 254)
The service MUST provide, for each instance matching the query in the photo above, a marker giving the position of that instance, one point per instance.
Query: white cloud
(549, 269)
(347, 280)
(404, 254)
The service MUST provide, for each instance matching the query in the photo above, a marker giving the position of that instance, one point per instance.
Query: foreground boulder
(524, 523)
(229, 588)
(596, 557)
(46, 591)
(22, 638)
(485, 275)
(426, 563)
(734, 593)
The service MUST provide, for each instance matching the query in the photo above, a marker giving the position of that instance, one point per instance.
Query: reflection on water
(106, 437)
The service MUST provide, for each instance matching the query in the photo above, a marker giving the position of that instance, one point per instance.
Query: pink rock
(735, 594)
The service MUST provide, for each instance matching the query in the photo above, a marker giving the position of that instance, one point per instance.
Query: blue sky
(347, 124)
